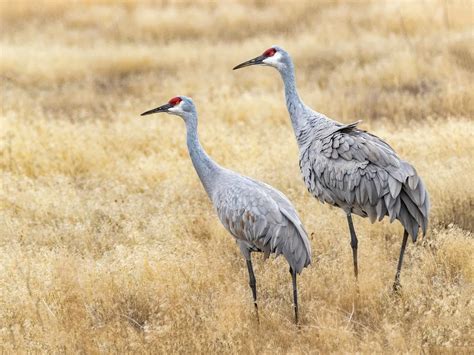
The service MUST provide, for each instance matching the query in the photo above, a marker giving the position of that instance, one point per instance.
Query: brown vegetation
(109, 243)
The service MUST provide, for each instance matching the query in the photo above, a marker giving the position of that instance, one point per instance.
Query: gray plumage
(358, 172)
(259, 217)
(347, 167)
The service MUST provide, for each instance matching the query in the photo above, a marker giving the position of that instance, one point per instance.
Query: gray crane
(259, 217)
(350, 168)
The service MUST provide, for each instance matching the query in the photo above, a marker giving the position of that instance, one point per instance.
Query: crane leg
(253, 285)
(396, 284)
(295, 294)
(354, 243)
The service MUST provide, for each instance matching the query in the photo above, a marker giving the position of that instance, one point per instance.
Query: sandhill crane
(259, 217)
(350, 168)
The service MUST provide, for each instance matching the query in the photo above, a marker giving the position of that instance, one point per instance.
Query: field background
(108, 242)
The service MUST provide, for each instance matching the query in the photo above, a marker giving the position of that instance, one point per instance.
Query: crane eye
(175, 100)
(270, 52)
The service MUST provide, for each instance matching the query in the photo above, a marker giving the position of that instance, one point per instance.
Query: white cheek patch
(274, 60)
(176, 108)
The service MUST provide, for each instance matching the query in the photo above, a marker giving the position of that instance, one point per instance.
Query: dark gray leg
(396, 284)
(354, 243)
(295, 294)
(253, 285)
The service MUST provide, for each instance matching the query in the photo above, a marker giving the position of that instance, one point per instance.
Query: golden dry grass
(108, 243)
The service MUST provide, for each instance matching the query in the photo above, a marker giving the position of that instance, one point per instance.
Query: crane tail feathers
(414, 209)
(296, 249)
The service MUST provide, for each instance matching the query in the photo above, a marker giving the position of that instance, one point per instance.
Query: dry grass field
(108, 242)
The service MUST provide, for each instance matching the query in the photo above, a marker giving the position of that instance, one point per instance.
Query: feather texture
(376, 181)
(261, 218)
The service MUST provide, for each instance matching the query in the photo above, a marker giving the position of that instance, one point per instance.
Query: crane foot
(397, 287)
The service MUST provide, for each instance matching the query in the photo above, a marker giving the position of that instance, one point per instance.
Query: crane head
(178, 105)
(274, 57)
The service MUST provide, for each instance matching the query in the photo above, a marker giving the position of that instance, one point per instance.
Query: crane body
(259, 217)
(350, 168)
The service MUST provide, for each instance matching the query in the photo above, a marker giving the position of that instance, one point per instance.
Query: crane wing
(359, 172)
(250, 213)
(287, 209)
(245, 212)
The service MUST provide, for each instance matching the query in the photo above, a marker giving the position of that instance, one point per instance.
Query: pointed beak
(255, 61)
(163, 108)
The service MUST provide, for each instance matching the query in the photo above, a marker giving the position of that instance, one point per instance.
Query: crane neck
(296, 107)
(205, 167)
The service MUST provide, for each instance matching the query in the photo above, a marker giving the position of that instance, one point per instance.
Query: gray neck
(296, 107)
(205, 167)
(300, 114)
